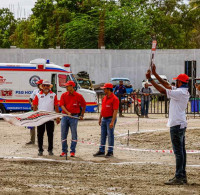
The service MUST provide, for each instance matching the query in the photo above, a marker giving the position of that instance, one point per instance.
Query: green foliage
(7, 26)
(81, 33)
(126, 28)
(122, 24)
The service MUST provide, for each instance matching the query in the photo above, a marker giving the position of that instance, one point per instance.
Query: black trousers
(49, 126)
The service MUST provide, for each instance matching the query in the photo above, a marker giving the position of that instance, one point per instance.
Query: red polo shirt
(72, 102)
(109, 104)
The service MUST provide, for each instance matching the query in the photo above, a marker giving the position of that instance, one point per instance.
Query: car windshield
(198, 81)
(125, 82)
(74, 79)
(84, 82)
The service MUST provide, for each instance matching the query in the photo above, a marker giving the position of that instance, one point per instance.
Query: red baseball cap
(70, 83)
(182, 77)
(107, 86)
(39, 82)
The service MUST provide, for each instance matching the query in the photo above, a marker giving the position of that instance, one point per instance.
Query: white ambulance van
(17, 82)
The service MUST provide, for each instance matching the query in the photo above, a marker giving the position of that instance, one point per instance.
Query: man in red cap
(110, 105)
(179, 97)
(70, 102)
(35, 92)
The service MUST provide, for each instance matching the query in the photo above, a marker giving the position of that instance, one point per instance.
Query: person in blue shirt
(120, 91)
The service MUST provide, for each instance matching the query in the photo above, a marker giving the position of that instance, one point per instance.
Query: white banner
(31, 119)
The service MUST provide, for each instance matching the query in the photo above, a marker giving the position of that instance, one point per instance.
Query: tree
(81, 33)
(122, 24)
(24, 36)
(7, 27)
(43, 12)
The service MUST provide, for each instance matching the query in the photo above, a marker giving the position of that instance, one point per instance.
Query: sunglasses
(46, 85)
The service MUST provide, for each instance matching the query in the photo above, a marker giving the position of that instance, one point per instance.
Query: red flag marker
(153, 51)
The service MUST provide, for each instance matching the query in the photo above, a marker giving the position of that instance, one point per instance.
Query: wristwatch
(150, 79)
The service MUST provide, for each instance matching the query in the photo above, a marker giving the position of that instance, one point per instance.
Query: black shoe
(51, 153)
(185, 180)
(175, 181)
(109, 154)
(30, 143)
(99, 154)
(40, 153)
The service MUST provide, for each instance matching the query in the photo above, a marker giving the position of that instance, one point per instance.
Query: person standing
(120, 91)
(46, 100)
(145, 99)
(107, 120)
(70, 103)
(32, 129)
(179, 98)
(197, 86)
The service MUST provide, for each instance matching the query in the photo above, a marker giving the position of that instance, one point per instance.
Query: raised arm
(162, 82)
(158, 87)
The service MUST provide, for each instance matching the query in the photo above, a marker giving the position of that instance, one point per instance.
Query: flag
(31, 118)
(153, 51)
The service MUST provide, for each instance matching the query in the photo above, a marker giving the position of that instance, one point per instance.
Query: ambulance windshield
(63, 78)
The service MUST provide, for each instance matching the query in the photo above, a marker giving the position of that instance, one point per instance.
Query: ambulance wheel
(2, 109)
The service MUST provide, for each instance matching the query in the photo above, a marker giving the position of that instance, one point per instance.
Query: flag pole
(153, 51)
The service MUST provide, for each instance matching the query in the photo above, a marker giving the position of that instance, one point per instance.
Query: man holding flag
(46, 100)
(179, 97)
(32, 97)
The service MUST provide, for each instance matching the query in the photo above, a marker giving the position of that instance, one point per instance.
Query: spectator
(197, 85)
(35, 92)
(46, 100)
(145, 99)
(70, 102)
(120, 91)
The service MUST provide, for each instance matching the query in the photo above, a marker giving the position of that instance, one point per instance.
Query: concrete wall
(105, 64)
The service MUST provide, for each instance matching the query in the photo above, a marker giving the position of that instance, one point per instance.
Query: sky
(22, 8)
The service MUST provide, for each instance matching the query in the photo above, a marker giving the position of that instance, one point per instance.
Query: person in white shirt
(197, 86)
(179, 97)
(46, 100)
(32, 129)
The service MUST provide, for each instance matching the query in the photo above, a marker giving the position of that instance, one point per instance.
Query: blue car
(126, 82)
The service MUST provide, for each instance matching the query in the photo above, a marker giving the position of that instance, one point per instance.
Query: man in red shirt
(70, 102)
(110, 105)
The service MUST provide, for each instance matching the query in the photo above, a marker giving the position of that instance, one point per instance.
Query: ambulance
(17, 82)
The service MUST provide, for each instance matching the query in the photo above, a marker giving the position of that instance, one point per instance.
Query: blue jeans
(107, 132)
(67, 122)
(178, 144)
(144, 107)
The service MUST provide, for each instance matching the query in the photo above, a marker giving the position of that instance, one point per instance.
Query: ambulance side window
(62, 79)
(53, 81)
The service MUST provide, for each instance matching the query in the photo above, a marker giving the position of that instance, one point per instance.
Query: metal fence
(158, 104)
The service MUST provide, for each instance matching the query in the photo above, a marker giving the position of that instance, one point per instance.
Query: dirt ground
(128, 172)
